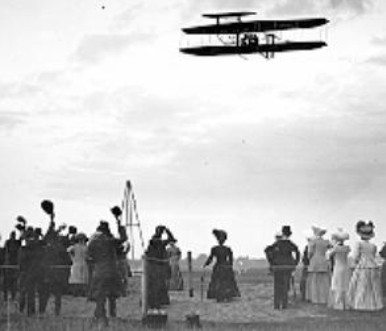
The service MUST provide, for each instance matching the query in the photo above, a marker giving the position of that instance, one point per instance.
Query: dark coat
(102, 255)
(281, 253)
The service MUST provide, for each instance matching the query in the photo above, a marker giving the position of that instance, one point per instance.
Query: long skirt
(383, 278)
(223, 284)
(365, 290)
(339, 288)
(318, 287)
(176, 283)
(157, 278)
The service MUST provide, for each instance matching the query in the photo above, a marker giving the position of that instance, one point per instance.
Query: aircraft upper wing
(229, 14)
(256, 26)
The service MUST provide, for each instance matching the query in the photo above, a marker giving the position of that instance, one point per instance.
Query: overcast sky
(91, 97)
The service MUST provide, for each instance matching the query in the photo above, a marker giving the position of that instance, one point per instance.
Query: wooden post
(190, 280)
(144, 285)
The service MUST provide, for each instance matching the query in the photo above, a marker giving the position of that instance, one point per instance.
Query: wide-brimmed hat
(80, 236)
(365, 230)
(220, 235)
(286, 230)
(318, 231)
(340, 235)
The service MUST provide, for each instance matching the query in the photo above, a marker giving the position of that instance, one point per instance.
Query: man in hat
(105, 280)
(283, 256)
(32, 273)
(11, 251)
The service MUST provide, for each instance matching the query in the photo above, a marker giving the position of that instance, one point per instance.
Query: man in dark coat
(56, 269)
(11, 255)
(280, 256)
(105, 280)
(31, 271)
(122, 248)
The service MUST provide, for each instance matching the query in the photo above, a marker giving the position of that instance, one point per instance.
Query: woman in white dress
(318, 277)
(79, 270)
(176, 282)
(365, 290)
(341, 272)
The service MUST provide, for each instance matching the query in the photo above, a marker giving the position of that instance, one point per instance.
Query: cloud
(377, 60)
(9, 120)
(94, 48)
(355, 7)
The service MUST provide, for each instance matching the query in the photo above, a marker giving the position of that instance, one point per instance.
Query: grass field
(253, 311)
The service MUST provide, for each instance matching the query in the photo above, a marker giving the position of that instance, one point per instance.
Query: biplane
(249, 37)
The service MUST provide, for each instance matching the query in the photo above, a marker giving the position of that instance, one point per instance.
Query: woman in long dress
(158, 269)
(341, 272)
(176, 283)
(318, 278)
(365, 291)
(79, 269)
(222, 286)
(382, 254)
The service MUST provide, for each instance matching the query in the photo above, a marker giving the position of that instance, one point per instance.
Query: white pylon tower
(131, 218)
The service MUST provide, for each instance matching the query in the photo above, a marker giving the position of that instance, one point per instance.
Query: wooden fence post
(190, 280)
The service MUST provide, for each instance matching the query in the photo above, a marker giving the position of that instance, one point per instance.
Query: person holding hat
(341, 272)
(222, 286)
(79, 270)
(365, 290)
(105, 284)
(158, 268)
(318, 278)
(283, 256)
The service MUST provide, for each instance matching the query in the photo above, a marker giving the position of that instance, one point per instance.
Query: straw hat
(340, 235)
(318, 232)
(80, 236)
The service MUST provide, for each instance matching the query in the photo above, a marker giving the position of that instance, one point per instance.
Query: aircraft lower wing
(256, 26)
(262, 48)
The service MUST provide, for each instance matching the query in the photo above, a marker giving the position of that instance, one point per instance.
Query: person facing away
(341, 272)
(105, 283)
(32, 273)
(283, 256)
(56, 268)
(79, 269)
(222, 286)
(11, 273)
(158, 268)
(305, 263)
(318, 279)
(176, 282)
(382, 254)
(365, 290)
